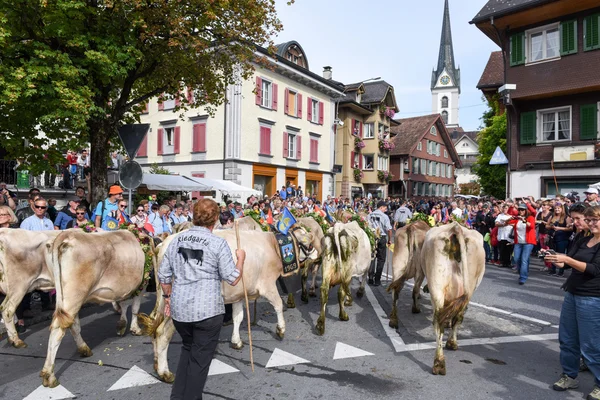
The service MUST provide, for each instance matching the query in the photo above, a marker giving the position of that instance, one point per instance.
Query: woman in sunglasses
(80, 217)
(122, 216)
(140, 217)
(580, 313)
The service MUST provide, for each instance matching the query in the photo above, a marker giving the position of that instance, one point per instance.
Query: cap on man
(591, 196)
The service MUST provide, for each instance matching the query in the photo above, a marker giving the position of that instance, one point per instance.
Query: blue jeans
(522, 254)
(488, 251)
(578, 334)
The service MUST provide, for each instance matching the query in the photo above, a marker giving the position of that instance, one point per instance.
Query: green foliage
(78, 69)
(320, 220)
(362, 222)
(423, 217)
(255, 215)
(158, 170)
(492, 177)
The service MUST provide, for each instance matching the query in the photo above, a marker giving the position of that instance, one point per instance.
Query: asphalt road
(508, 349)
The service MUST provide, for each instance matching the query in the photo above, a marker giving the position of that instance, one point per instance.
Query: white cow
(453, 260)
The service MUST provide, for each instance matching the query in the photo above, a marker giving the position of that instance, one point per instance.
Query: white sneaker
(565, 382)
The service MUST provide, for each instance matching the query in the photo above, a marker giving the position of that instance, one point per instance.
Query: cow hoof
(84, 351)
(291, 303)
(311, 293)
(117, 308)
(348, 303)
(416, 310)
(304, 298)
(280, 332)
(121, 328)
(136, 332)
(451, 345)
(236, 346)
(439, 367)
(393, 323)
(320, 328)
(49, 380)
(344, 316)
(360, 293)
(18, 343)
(167, 377)
(425, 289)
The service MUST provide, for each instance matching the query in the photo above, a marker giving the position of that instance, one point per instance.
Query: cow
(346, 253)
(90, 267)
(311, 266)
(262, 268)
(453, 261)
(23, 269)
(192, 254)
(406, 264)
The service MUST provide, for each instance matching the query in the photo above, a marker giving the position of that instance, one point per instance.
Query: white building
(467, 149)
(276, 127)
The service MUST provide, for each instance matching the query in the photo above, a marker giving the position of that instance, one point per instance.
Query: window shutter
(285, 145)
(159, 148)
(274, 96)
(588, 122)
(528, 129)
(268, 141)
(360, 130)
(258, 91)
(591, 39)
(517, 49)
(265, 140)
(286, 102)
(352, 127)
(177, 139)
(161, 105)
(298, 147)
(568, 37)
(199, 140)
(360, 161)
(309, 108)
(321, 110)
(352, 159)
(143, 150)
(299, 102)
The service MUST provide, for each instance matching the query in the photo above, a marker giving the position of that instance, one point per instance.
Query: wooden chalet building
(551, 52)
(424, 160)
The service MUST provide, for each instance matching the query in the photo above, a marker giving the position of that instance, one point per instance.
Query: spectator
(591, 197)
(108, 205)
(159, 220)
(140, 218)
(402, 214)
(80, 218)
(67, 214)
(283, 193)
(560, 228)
(121, 214)
(524, 234)
(504, 236)
(28, 210)
(83, 162)
(177, 216)
(237, 211)
(52, 211)
(6, 199)
(85, 199)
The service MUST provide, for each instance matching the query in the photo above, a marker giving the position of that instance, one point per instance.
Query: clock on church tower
(444, 80)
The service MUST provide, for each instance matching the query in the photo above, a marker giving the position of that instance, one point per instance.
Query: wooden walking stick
(237, 236)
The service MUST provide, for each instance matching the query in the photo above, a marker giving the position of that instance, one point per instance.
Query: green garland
(365, 227)
(320, 220)
(423, 217)
(255, 215)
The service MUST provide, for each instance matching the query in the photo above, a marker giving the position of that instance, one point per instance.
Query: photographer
(560, 228)
(524, 235)
(6, 199)
(580, 313)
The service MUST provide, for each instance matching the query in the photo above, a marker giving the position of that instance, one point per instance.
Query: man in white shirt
(402, 214)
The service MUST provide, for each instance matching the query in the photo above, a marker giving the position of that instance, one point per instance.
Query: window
(543, 43)
(314, 149)
(382, 163)
(199, 137)
(438, 148)
(293, 103)
(416, 189)
(445, 153)
(381, 130)
(291, 153)
(168, 140)
(445, 117)
(267, 94)
(419, 146)
(433, 131)
(369, 131)
(265, 140)
(415, 165)
(168, 104)
(555, 124)
(356, 160)
(444, 103)
(314, 107)
(428, 147)
(449, 171)
(424, 189)
(465, 144)
(368, 160)
(424, 167)
(591, 32)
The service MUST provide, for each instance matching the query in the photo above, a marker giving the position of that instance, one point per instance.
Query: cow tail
(452, 311)
(336, 238)
(150, 323)
(57, 248)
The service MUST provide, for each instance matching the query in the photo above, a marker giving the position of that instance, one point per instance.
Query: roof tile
(493, 74)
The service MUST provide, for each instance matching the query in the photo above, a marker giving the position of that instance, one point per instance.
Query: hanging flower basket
(384, 176)
(359, 144)
(358, 175)
(386, 145)
(389, 112)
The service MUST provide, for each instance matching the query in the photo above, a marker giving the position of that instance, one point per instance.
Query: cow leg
(363, 281)
(396, 288)
(116, 307)
(348, 302)
(82, 348)
(273, 297)
(303, 280)
(238, 317)
(341, 297)
(313, 284)
(291, 303)
(164, 333)
(56, 335)
(122, 324)
(452, 342)
(416, 294)
(9, 307)
(135, 309)
(320, 327)
(439, 363)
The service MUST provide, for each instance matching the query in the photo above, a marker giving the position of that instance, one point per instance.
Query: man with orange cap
(108, 205)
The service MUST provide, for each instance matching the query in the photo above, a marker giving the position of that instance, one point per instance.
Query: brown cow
(405, 264)
(453, 260)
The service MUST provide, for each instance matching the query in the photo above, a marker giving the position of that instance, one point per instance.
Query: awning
(173, 183)
(228, 187)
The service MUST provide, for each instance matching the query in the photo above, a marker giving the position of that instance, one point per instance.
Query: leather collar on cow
(306, 250)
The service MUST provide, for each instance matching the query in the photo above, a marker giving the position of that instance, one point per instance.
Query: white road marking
(218, 368)
(390, 332)
(134, 377)
(481, 341)
(533, 382)
(345, 351)
(281, 358)
(44, 393)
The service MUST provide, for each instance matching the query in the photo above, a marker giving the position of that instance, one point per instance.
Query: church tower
(445, 80)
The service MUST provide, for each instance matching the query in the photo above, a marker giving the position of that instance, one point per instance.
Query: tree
(491, 177)
(471, 188)
(78, 69)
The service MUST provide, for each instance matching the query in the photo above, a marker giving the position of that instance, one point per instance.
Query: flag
(286, 221)
(269, 218)
(329, 217)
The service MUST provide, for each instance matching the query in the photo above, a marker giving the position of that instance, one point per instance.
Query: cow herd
(107, 267)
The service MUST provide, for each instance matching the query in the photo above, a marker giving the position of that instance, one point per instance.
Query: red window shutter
(360, 161)
(143, 150)
(274, 86)
(309, 108)
(352, 159)
(321, 111)
(160, 133)
(286, 102)
(190, 95)
(267, 141)
(199, 139)
(316, 150)
(314, 155)
(360, 130)
(299, 102)
(285, 144)
(263, 144)
(197, 194)
(176, 140)
(258, 91)
(353, 126)
(299, 147)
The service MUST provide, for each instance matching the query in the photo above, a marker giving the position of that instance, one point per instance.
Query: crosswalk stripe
(219, 367)
(281, 358)
(44, 393)
(343, 350)
(134, 377)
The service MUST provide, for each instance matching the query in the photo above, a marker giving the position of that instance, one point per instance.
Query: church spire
(446, 54)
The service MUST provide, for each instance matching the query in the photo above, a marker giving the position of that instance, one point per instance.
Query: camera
(543, 253)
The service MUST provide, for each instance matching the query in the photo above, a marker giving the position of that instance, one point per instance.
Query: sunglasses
(122, 206)
(80, 213)
(140, 210)
(41, 207)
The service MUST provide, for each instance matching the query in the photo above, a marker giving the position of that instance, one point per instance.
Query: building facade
(424, 160)
(445, 79)
(465, 144)
(552, 54)
(274, 128)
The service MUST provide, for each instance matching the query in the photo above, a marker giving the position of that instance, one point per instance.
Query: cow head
(304, 240)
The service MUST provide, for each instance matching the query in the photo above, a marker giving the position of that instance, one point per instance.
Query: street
(508, 349)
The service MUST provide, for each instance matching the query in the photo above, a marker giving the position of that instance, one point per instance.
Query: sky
(397, 40)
